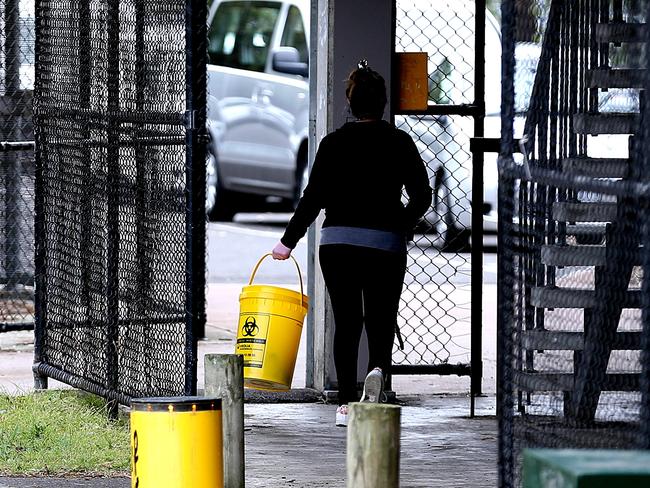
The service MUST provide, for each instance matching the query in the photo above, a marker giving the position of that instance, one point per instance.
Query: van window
(294, 34)
(240, 35)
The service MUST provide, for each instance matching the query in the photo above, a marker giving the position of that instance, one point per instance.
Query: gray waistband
(358, 236)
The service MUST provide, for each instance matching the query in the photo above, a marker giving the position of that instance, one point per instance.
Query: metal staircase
(557, 222)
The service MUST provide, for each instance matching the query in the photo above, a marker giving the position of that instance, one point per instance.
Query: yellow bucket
(268, 336)
(176, 443)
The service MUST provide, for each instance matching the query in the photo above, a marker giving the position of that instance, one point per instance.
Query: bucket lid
(175, 404)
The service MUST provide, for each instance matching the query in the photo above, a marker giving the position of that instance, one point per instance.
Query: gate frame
(476, 110)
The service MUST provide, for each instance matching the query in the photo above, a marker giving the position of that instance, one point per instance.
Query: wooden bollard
(224, 378)
(373, 445)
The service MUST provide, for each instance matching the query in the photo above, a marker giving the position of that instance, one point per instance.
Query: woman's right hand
(281, 252)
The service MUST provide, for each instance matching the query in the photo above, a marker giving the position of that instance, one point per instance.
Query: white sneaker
(373, 387)
(342, 416)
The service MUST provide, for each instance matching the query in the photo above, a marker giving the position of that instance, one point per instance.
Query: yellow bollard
(176, 443)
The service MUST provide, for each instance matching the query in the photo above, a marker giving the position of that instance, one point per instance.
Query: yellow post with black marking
(176, 443)
(268, 336)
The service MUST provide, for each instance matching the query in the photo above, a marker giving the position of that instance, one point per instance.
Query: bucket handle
(302, 294)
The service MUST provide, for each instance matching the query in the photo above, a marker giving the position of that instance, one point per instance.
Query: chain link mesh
(573, 305)
(434, 316)
(16, 165)
(114, 210)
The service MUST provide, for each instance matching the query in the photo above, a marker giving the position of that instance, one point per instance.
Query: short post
(224, 378)
(373, 446)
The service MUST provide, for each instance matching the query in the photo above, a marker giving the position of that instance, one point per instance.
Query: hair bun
(366, 92)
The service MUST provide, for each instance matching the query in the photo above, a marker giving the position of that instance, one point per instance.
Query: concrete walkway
(296, 444)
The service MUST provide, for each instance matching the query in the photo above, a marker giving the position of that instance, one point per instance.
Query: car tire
(220, 203)
(448, 237)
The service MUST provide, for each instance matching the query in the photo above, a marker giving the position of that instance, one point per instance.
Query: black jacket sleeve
(416, 183)
(312, 200)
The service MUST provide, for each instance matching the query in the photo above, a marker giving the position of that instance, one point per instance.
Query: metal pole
(85, 66)
(477, 210)
(12, 46)
(224, 378)
(40, 248)
(113, 223)
(505, 270)
(196, 88)
(641, 155)
(9, 131)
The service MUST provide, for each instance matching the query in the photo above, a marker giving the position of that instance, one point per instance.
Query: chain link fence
(435, 313)
(120, 202)
(16, 165)
(574, 330)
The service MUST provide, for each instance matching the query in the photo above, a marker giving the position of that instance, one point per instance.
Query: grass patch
(61, 432)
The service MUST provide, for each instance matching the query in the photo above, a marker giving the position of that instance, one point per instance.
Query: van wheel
(448, 237)
(220, 203)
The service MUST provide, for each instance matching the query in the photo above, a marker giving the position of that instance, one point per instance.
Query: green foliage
(61, 432)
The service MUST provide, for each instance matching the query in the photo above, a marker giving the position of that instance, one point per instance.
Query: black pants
(364, 284)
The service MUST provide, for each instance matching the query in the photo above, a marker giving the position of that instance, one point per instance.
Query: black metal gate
(119, 113)
(441, 314)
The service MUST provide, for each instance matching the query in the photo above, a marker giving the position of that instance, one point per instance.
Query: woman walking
(357, 177)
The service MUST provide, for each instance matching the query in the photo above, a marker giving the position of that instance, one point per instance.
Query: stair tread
(606, 123)
(584, 211)
(586, 229)
(606, 77)
(582, 255)
(574, 341)
(559, 297)
(565, 381)
(620, 32)
(597, 167)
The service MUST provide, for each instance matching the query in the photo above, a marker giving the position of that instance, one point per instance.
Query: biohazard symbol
(250, 327)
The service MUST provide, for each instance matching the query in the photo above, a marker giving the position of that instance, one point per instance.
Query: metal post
(644, 383)
(85, 67)
(224, 378)
(196, 88)
(40, 296)
(8, 131)
(373, 446)
(505, 283)
(144, 160)
(643, 158)
(12, 46)
(477, 210)
(113, 223)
